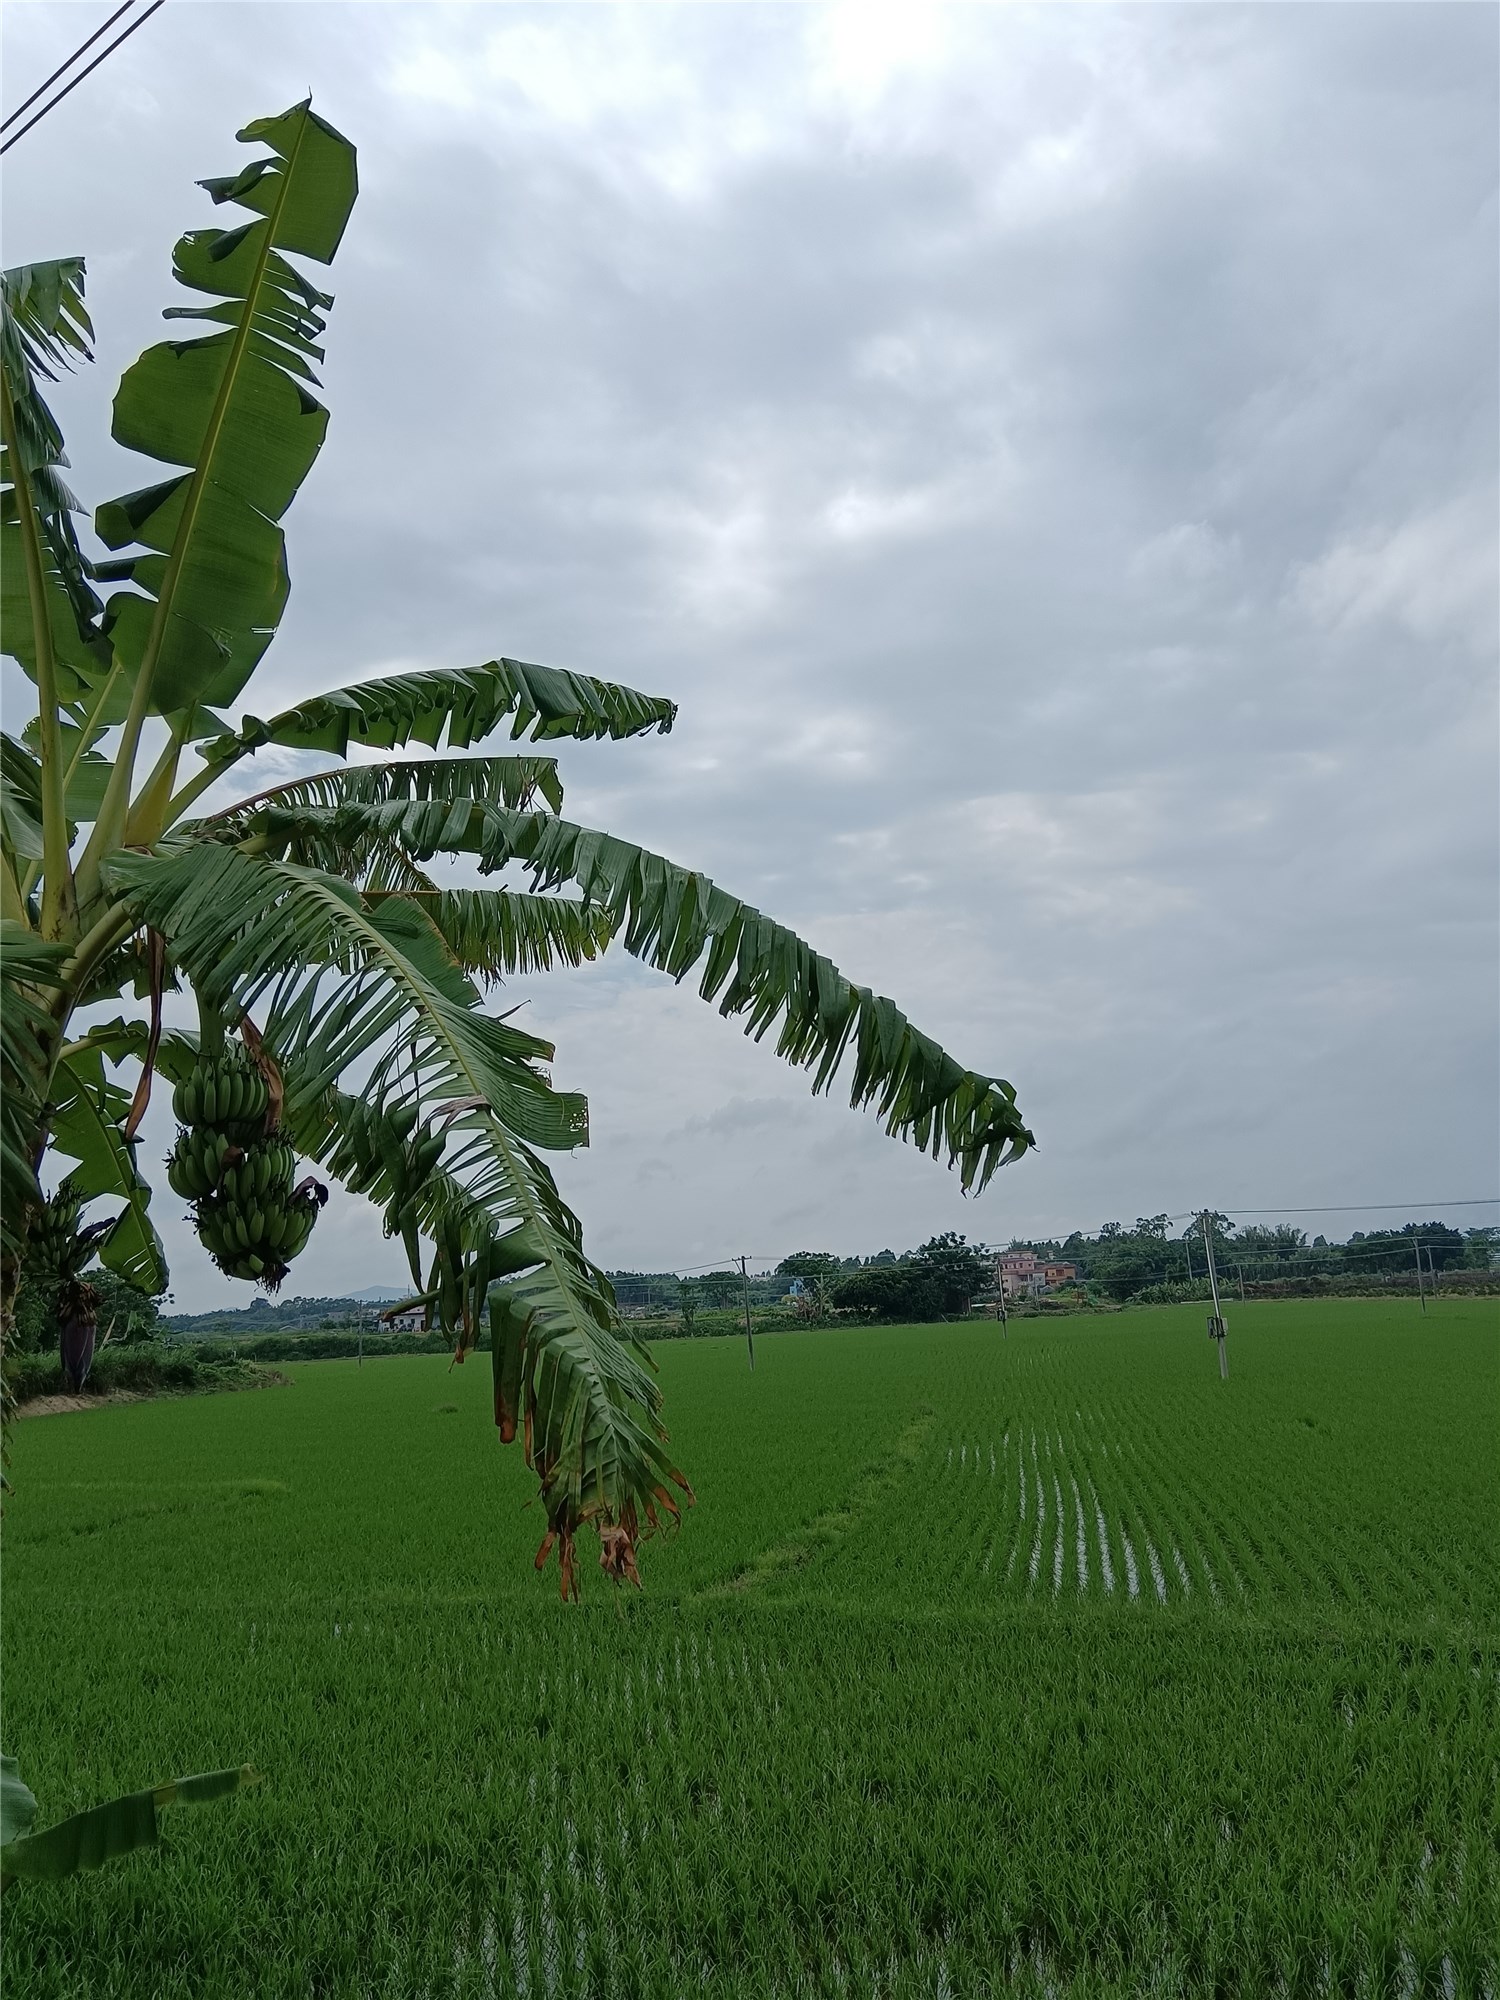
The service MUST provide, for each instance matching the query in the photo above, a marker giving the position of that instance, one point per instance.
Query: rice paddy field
(1046, 1665)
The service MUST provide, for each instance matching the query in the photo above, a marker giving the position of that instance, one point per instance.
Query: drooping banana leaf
(494, 933)
(583, 1396)
(88, 1126)
(515, 781)
(234, 408)
(462, 705)
(348, 987)
(101, 1833)
(44, 327)
(377, 862)
(678, 920)
(28, 970)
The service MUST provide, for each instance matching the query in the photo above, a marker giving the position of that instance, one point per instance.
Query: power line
(42, 87)
(1295, 1262)
(723, 1265)
(1346, 1208)
(88, 70)
(1358, 1207)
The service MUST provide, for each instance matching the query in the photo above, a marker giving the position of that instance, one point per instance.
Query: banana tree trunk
(10, 1284)
(77, 1322)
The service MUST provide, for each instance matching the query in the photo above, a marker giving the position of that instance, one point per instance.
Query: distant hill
(285, 1316)
(377, 1294)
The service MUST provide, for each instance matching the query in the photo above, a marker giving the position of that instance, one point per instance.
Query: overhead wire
(1358, 1207)
(1343, 1208)
(27, 102)
(53, 102)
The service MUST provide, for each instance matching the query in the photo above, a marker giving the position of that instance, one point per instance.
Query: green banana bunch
(58, 1242)
(205, 1162)
(228, 1092)
(239, 1176)
(256, 1240)
(51, 1234)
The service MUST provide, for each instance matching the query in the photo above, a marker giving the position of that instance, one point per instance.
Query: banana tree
(340, 982)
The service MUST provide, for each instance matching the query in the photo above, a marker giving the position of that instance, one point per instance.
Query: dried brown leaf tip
(566, 1559)
(617, 1554)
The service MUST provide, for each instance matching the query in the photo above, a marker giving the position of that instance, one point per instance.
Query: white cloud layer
(1050, 453)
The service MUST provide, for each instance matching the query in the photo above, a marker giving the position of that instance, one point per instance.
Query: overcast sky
(1051, 456)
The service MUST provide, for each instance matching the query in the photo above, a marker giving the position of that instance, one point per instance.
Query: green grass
(1217, 1713)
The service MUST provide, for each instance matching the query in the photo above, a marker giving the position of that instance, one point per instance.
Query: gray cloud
(1050, 455)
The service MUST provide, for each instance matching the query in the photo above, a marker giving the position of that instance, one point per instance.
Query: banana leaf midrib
(201, 472)
(112, 816)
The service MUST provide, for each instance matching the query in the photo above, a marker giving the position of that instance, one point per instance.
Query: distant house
(1017, 1275)
(1020, 1274)
(406, 1322)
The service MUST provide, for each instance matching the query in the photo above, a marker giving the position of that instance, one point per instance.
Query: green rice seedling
(842, 1744)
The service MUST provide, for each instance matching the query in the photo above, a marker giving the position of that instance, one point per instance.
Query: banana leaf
(100, 1833)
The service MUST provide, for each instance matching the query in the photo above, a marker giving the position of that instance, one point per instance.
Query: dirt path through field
(67, 1406)
(62, 1406)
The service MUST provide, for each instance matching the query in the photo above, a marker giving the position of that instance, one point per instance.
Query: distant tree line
(945, 1275)
(943, 1278)
(940, 1280)
(1120, 1262)
(128, 1317)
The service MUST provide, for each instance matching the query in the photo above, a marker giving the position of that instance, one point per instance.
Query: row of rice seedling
(845, 1742)
(1061, 1480)
(1112, 1805)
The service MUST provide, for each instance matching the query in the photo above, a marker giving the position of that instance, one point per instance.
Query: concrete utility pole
(1421, 1293)
(1216, 1327)
(745, 1282)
